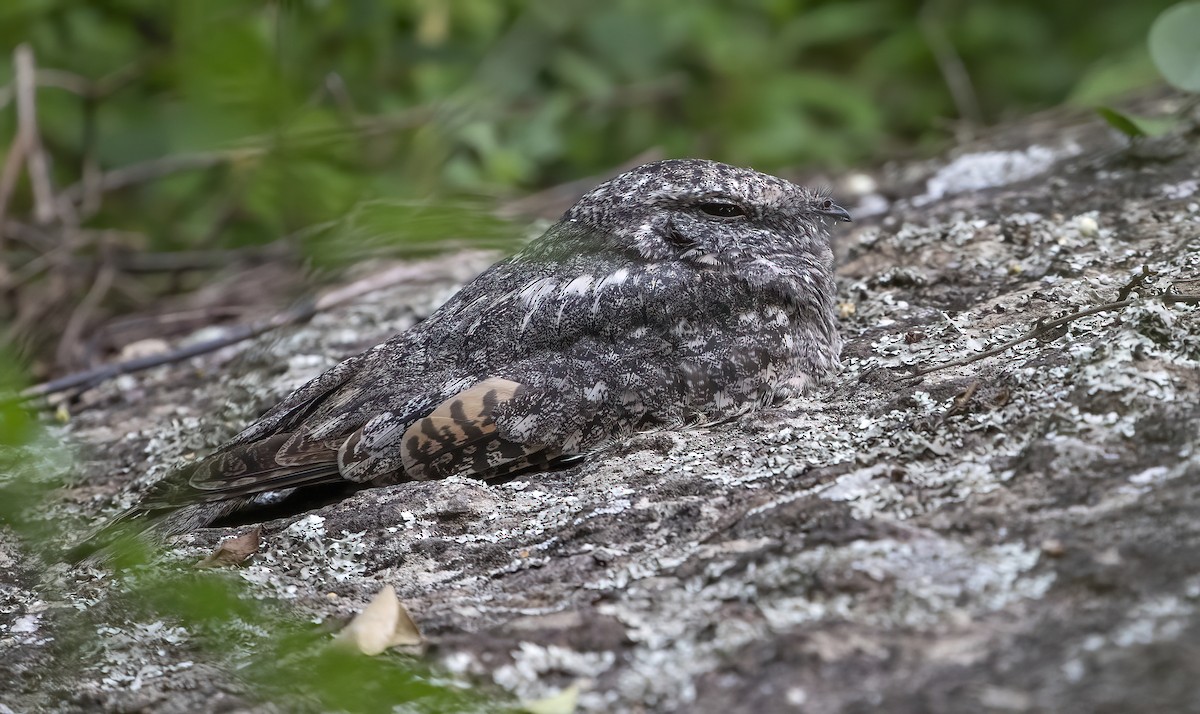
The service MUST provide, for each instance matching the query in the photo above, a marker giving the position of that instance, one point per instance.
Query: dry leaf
(234, 551)
(562, 703)
(383, 623)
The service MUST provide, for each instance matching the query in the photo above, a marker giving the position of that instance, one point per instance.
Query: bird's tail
(124, 537)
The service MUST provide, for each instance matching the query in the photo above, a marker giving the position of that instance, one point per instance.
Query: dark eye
(723, 210)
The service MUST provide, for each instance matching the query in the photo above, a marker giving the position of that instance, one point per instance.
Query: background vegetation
(214, 124)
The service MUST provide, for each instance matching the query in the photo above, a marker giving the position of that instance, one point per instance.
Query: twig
(35, 266)
(83, 311)
(1135, 282)
(80, 85)
(963, 399)
(131, 261)
(1040, 328)
(415, 272)
(950, 64)
(39, 174)
(151, 170)
(160, 324)
(1182, 298)
(16, 156)
(92, 377)
(184, 260)
(1172, 299)
(8, 179)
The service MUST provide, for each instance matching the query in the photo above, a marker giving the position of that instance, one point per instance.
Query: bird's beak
(837, 212)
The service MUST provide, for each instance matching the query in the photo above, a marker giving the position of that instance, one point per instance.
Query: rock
(1014, 534)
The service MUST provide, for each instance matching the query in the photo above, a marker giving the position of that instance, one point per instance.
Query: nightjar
(680, 293)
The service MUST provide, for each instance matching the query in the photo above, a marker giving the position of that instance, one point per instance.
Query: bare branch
(1039, 329)
(39, 174)
(1135, 282)
(419, 272)
(1043, 327)
(950, 64)
(69, 342)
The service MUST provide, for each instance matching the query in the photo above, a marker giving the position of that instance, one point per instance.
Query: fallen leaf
(564, 702)
(234, 551)
(383, 623)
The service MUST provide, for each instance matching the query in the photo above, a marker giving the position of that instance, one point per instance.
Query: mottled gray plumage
(682, 292)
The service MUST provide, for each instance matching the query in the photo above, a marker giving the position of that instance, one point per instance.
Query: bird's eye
(723, 210)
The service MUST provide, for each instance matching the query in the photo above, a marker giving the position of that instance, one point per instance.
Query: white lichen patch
(532, 661)
(305, 552)
(122, 669)
(988, 169)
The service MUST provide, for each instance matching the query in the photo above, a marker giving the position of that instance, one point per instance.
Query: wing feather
(460, 437)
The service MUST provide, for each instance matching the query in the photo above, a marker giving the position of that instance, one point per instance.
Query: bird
(681, 293)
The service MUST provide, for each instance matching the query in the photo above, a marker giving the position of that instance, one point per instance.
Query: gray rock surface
(1014, 534)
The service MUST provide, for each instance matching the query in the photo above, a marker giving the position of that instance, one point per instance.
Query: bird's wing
(281, 461)
(459, 436)
(289, 413)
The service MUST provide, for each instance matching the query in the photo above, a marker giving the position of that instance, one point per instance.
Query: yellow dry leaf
(562, 703)
(383, 623)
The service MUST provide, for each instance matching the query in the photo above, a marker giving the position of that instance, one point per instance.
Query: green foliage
(21, 491)
(375, 228)
(1135, 127)
(280, 656)
(1175, 45)
(312, 106)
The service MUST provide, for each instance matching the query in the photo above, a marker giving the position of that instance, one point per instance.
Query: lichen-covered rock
(1018, 533)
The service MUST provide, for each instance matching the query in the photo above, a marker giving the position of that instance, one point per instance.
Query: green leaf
(1135, 126)
(1120, 122)
(1175, 45)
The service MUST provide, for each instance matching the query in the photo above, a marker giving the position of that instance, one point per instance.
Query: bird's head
(707, 213)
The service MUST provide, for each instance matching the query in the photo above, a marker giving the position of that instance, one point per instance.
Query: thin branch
(39, 173)
(92, 377)
(186, 260)
(146, 171)
(82, 313)
(1039, 329)
(1173, 299)
(1135, 282)
(35, 266)
(19, 148)
(1042, 328)
(8, 179)
(79, 84)
(420, 272)
(950, 64)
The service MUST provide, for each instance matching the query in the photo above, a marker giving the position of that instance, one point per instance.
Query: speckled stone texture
(1017, 534)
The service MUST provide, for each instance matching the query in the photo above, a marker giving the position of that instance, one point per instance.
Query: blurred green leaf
(1114, 75)
(1175, 45)
(1120, 122)
(1132, 126)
